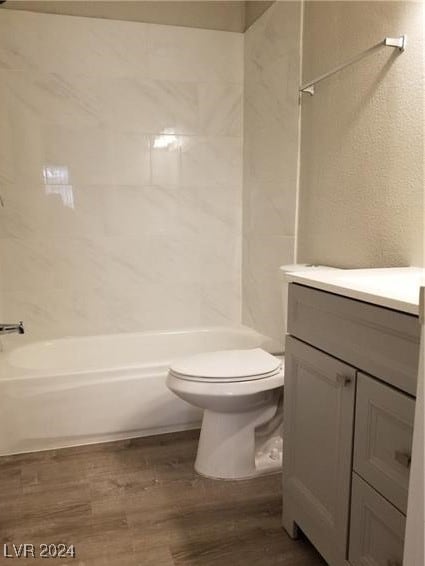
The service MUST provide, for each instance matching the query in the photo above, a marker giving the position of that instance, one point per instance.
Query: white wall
(270, 162)
(120, 172)
(362, 156)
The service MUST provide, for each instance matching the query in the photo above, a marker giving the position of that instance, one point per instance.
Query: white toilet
(241, 394)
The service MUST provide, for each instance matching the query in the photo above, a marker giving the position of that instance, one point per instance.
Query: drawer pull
(405, 460)
(343, 379)
(394, 563)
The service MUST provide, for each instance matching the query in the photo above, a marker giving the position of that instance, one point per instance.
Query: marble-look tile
(166, 159)
(96, 156)
(220, 107)
(21, 134)
(219, 207)
(96, 287)
(164, 246)
(88, 264)
(100, 156)
(28, 260)
(66, 212)
(221, 254)
(196, 161)
(266, 34)
(273, 99)
(178, 53)
(105, 47)
(6, 140)
(262, 306)
(270, 159)
(137, 104)
(221, 303)
(120, 172)
(221, 292)
(211, 161)
(55, 211)
(126, 104)
(271, 150)
(270, 208)
(149, 211)
(47, 98)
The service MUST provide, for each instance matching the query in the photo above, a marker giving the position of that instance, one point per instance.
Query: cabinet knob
(403, 458)
(343, 379)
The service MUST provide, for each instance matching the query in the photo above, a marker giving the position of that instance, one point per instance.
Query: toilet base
(227, 448)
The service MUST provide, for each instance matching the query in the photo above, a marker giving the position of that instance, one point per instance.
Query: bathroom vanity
(350, 384)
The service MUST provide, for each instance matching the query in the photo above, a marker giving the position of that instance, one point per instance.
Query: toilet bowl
(239, 391)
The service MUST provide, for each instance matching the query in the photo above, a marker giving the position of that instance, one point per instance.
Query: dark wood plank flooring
(139, 502)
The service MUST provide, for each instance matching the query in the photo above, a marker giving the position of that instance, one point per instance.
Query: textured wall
(270, 162)
(120, 172)
(362, 178)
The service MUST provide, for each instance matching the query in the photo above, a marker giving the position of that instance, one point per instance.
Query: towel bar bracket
(399, 42)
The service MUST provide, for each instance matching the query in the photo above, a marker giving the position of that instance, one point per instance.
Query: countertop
(394, 287)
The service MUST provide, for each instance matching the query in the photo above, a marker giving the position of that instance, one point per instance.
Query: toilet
(241, 393)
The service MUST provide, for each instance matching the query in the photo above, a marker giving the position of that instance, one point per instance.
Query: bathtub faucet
(12, 328)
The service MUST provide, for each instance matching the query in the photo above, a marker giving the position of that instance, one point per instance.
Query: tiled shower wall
(272, 56)
(120, 175)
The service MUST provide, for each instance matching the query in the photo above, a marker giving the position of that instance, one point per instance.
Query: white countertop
(394, 287)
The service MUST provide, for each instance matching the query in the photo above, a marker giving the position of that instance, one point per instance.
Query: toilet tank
(285, 270)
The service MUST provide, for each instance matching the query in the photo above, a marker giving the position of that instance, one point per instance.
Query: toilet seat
(228, 366)
(225, 388)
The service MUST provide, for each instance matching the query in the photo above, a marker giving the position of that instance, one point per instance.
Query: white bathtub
(82, 390)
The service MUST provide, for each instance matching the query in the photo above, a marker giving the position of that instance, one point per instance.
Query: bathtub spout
(12, 328)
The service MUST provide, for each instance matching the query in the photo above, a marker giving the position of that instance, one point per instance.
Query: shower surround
(121, 164)
(120, 174)
(271, 112)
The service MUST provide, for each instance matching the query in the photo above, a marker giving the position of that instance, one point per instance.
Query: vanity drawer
(377, 340)
(377, 528)
(383, 438)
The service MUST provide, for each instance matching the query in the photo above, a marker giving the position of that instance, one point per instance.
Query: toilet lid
(228, 365)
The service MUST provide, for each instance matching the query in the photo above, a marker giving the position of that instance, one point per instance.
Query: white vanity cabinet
(350, 381)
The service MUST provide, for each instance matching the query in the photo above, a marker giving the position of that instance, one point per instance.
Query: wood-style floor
(139, 502)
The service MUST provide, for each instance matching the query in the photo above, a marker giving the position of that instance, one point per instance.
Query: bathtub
(83, 390)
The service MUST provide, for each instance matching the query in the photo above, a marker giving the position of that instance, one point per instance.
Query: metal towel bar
(397, 42)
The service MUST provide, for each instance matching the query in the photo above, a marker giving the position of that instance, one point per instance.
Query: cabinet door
(377, 528)
(383, 438)
(319, 394)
